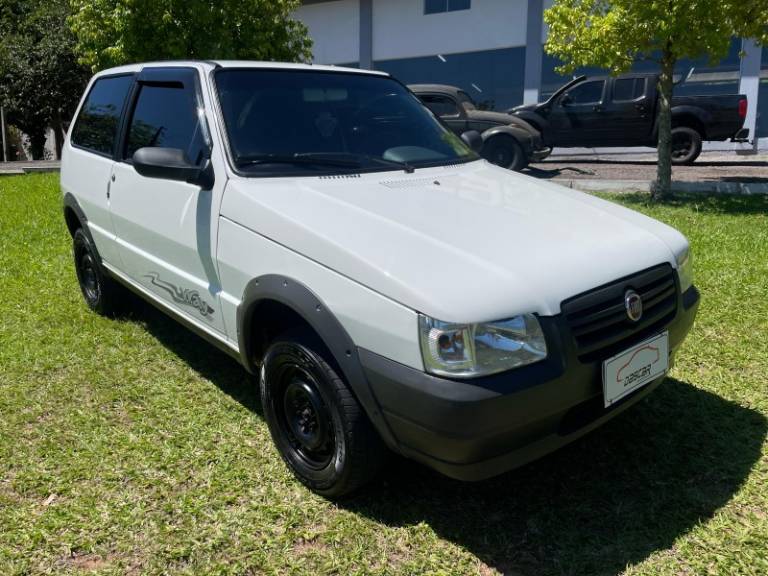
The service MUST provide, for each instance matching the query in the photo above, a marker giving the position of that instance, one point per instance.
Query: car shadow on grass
(204, 358)
(607, 501)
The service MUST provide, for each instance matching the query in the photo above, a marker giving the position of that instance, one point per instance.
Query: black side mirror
(565, 99)
(473, 139)
(172, 164)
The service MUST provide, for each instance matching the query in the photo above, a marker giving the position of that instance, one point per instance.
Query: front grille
(598, 320)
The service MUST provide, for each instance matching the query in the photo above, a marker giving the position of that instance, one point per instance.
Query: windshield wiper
(319, 160)
(340, 159)
(342, 155)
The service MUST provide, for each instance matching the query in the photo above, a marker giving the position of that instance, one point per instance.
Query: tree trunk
(662, 187)
(37, 145)
(58, 134)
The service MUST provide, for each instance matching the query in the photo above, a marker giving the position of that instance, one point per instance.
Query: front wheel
(319, 428)
(505, 152)
(686, 145)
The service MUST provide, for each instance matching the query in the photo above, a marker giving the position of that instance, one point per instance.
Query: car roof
(434, 88)
(213, 64)
(620, 76)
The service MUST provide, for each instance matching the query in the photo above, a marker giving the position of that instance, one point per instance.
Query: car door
(628, 113)
(165, 227)
(89, 160)
(448, 110)
(577, 115)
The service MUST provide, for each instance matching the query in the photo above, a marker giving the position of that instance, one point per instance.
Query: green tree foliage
(40, 78)
(113, 32)
(613, 33)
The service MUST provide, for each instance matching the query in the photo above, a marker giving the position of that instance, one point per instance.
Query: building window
(438, 6)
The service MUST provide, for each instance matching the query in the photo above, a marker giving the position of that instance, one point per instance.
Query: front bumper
(475, 429)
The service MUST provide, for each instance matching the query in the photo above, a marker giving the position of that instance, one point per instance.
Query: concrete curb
(627, 186)
(9, 169)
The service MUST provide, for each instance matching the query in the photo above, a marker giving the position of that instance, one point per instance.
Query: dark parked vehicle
(508, 141)
(621, 111)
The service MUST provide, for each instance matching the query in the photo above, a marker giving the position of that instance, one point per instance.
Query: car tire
(686, 145)
(319, 428)
(505, 152)
(101, 293)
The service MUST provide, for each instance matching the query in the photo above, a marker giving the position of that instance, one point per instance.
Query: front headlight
(685, 269)
(471, 350)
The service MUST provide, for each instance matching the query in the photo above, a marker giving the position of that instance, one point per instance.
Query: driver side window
(587, 93)
(166, 116)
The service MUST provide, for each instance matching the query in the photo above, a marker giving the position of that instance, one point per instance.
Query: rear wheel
(686, 145)
(319, 428)
(505, 152)
(102, 294)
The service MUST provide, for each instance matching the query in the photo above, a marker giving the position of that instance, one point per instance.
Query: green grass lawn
(131, 446)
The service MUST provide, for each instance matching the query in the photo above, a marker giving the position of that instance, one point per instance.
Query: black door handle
(597, 108)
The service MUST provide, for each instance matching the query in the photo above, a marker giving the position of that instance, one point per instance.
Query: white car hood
(462, 243)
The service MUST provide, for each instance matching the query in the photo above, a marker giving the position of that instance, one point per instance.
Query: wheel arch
(75, 219)
(275, 302)
(690, 117)
(519, 135)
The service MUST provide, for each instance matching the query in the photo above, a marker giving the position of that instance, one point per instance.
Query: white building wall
(335, 30)
(402, 30)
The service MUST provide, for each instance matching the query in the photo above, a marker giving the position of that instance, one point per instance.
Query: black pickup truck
(605, 111)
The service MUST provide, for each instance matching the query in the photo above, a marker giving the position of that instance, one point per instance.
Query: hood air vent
(409, 183)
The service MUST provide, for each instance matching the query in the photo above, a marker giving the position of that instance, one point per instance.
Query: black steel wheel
(319, 428)
(101, 293)
(686, 145)
(306, 421)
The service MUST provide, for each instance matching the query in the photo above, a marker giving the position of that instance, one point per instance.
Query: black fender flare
(313, 310)
(520, 135)
(69, 202)
(702, 117)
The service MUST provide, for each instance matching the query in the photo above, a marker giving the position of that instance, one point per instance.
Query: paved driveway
(711, 166)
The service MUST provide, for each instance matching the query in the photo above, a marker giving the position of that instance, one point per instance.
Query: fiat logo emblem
(633, 305)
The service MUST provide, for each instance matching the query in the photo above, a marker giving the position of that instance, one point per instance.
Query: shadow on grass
(707, 203)
(207, 360)
(607, 501)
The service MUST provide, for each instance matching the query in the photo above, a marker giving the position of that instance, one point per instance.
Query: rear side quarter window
(440, 105)
(97, 124)
(627, 89)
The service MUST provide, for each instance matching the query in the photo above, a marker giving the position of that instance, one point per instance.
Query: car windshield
(300, 122)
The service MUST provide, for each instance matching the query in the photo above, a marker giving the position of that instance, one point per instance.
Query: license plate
(634, 368)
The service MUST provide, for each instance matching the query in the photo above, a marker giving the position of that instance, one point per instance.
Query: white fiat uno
(393, 291)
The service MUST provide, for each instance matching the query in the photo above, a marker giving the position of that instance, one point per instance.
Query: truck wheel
(505, 152)
(101, 293)
(319, 428)
(686, 145)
